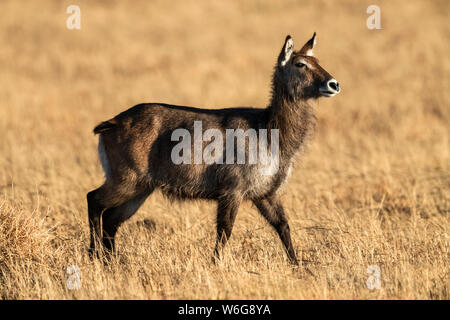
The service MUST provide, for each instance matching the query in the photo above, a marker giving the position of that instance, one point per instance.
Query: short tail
(105, 126)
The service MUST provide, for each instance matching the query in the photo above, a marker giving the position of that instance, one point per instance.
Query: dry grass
(373, 190)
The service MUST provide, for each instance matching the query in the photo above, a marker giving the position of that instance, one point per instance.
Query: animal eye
(300, 65)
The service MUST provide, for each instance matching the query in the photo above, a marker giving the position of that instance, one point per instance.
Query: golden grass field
(374, 188)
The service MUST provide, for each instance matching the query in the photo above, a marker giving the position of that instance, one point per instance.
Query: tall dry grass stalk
(373, 189)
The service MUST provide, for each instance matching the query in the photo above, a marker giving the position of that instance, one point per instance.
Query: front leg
(272, 210)
(227, 209)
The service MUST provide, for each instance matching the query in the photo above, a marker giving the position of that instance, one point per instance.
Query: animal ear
(307, 49)
(286, 52)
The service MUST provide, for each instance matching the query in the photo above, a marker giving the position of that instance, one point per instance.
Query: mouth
(328, 93)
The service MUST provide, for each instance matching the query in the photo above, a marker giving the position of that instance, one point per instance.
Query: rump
(103, 158)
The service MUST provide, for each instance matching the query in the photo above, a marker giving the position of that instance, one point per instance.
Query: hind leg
(106, 197)
(114, 217)
(95, 210)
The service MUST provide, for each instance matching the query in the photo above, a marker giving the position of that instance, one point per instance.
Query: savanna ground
(372, 190)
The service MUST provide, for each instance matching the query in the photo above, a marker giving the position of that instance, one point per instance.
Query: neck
(294, 118)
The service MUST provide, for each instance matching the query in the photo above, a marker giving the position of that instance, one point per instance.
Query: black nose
(334, 85)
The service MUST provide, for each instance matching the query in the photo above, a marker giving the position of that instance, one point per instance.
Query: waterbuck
(136, 152)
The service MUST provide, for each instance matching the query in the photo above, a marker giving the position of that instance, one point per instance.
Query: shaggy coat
(135, 151)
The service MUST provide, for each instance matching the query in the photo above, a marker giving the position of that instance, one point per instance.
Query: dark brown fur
(137, 146)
